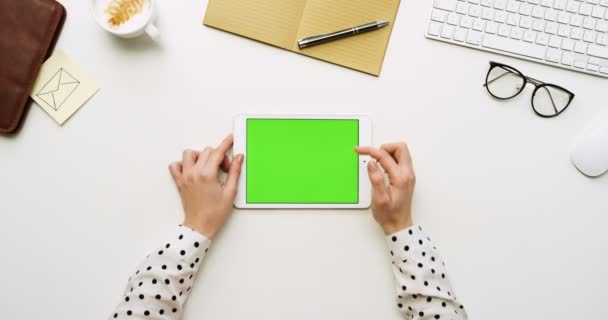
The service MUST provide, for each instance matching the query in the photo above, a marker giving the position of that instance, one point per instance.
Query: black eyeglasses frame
(537, 84)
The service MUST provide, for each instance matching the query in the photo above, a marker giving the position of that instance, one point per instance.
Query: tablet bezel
(240, 138)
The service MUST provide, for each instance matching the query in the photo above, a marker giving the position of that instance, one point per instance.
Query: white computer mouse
(590, 150)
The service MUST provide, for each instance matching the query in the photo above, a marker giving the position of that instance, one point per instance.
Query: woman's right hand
(392, 202)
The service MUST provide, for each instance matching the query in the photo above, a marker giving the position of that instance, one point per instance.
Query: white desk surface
(523, 233)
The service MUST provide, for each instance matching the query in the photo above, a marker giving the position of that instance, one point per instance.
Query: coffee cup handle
(152, 31)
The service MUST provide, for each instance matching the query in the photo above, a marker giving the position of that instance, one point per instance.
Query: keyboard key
(518, 47)
(534, 2)
(447, 31)
(568, 58)
(560, 4)
(500, 17)
(526, 22)
(538, 12)
(486, 3)
(504, 30)
(542, 39)
(487, 14)
(466, 22)
(448, 5)
(580, 64)
(474, 37)
(602, 26)
(474, 1)
(491, 27)
(462, 7)
(602, 39)
(593, 67)
(604, 3)
(554, 55)
(513, 19)
(434, 28)
(576, 34)
(479, 24)
(597, 51)
(453, 19)
(537, 24)
(568, 44)
(517, 33)
(580, 58)
(475, 11)
(594, 60)
(460, 34)
(572, 6)
(546, 3)
(580, 47)
(513, 6)
(604, 70)
(598, 12)
(551, 28)
(555, 42)
(500, 4)
(439, 15)
(525, 9)
(576, 20)
(564, 30)
(585, 9)
(529, 36)
(563, 17)
(550, 15)
(589, 36)
(589, 23)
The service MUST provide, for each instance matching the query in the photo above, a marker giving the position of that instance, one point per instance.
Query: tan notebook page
(282, 22)
(271, 21)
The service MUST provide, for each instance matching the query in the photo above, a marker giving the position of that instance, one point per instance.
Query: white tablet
(302, 161)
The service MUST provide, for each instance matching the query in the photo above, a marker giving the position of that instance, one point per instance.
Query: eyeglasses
(548, 100)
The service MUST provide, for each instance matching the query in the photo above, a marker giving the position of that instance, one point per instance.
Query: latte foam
(128, 21)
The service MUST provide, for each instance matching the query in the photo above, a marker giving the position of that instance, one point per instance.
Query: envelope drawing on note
(59, 88)
(62, 87)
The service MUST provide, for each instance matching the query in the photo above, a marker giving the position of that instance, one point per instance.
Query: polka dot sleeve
(160, 286)
(423, 288)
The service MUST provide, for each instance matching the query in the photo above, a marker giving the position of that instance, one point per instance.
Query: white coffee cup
(136, 26)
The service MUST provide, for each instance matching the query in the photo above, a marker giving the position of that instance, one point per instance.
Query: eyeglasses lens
(504, 83)
(550, 101)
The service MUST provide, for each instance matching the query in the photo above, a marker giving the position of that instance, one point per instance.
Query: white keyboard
(571, 34)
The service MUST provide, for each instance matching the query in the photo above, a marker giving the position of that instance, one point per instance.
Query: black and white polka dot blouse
(161, 284)
(423, 288)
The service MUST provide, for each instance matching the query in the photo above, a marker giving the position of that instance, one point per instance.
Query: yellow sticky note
(62, 87)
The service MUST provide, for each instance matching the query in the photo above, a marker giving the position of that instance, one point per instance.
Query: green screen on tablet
(302, 161)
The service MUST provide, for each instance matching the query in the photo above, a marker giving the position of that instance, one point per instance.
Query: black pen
(323, 38)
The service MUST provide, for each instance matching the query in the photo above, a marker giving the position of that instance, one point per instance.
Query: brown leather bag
(28, 32)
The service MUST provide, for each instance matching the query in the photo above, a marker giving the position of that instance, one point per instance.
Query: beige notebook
(282, 23)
